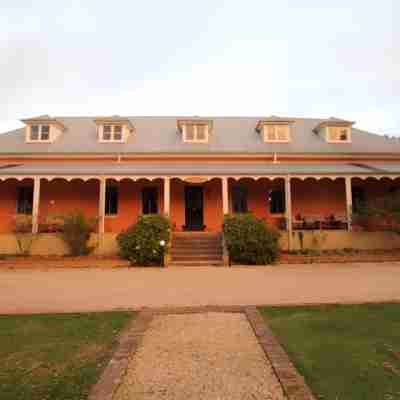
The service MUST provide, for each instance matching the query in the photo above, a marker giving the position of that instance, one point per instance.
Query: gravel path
(213, 356)
(26, 291)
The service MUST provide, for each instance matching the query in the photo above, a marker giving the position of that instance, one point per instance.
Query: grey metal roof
(230, 135)
(193, 169)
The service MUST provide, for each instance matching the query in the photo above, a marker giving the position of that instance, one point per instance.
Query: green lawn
(59, 357)
(349, 352)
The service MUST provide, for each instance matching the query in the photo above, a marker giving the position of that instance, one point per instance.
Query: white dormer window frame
(39, 133)
(193, 134)
(112, 133)
(276, 133)
(332, 135)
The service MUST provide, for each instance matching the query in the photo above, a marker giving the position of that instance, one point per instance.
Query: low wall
(340, 239)
(52, 244)
(46, 244)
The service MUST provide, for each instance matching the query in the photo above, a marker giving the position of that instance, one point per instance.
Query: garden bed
(43, 262)
(339, 256)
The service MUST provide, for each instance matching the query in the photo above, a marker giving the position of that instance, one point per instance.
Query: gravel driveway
(213, 356)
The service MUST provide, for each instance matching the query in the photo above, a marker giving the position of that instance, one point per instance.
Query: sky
(307, 58)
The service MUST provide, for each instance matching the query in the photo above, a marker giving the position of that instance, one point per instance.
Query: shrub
(76, 232)
(140, 243)
(250, 240)
(22, 223)
(23, 233)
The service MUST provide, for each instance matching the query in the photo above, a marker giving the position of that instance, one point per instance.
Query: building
(297, 173)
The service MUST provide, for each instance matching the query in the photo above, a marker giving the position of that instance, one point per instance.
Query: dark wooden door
(194, 208)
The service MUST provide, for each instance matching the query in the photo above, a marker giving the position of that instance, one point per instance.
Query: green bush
(140, 243)
(250, 240)
(76, 232)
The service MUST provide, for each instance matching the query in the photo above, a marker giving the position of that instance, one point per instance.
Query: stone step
(196, 234)
(200, 247)
(195, 252)
(196, 257)
(194, 249)
(196, 240)
(216, 262)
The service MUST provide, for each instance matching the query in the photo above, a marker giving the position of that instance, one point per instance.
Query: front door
(194, 208)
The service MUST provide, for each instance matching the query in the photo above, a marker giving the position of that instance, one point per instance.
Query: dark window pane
(35, 132)
(150, 201)
(107, 132)
(111, 200)
(239, 199)
(24, 200)
(117, 132)
(276, 202)
(45, 132)
(359, 199)
(189, 132)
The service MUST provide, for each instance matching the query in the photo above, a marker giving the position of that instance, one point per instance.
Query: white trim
(40, 133)
(265, 133)
(328, 134)
(112, 139)
(36, 205)
(195, 140)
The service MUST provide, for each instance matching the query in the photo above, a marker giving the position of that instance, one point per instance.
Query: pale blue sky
(308, 58)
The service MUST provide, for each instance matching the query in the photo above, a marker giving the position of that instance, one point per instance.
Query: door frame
(201, 225)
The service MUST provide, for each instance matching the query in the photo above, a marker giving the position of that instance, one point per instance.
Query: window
(359, 199)
(118, 132)
(111, 200)
(338, 134)
(112, 133)
(150, 201)
(276, 201)
(39, 133)
(239, 199)
(195, 133)
(24, 200)
(276, 133)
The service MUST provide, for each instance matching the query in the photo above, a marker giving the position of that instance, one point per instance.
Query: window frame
(40, 133)
(112, 133)
(21, 209)
(329, 133)
(157, 199)
(275, 127)
(195, 133)
(270, 201)
(245, 191)
(108, 208)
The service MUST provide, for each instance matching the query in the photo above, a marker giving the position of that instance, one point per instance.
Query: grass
(45, 357)
(346, 352)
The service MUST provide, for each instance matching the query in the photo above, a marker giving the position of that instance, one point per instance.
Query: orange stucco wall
(257, 200)
(8, 203)
(323, 197)
(60, 197)
(212, 199)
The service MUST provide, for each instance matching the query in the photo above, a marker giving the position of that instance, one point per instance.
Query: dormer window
(40, 133)
(276, 133)
(274, 129)
(113, 129)
(112, 133)
(334, 130)
(42, 129)
(195, 131)
(337, 134)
